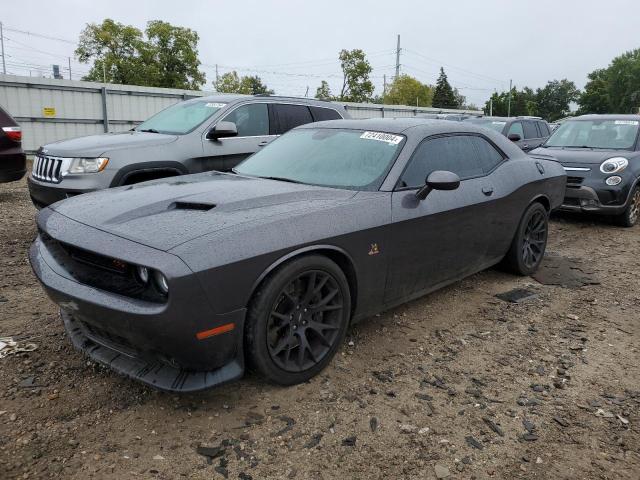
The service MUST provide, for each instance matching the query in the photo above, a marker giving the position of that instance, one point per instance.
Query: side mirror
(438, 180)
(222, 130)
(514, 137)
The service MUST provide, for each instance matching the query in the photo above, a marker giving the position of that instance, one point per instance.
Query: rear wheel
(298, 319)
(630, 216)
(530, 241)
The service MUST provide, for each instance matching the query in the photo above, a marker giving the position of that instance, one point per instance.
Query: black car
(12, 158)
(601, 155)
(176, 282)
(526, 132)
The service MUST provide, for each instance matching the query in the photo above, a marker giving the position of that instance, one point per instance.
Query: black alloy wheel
(298, 319)
(530, 241)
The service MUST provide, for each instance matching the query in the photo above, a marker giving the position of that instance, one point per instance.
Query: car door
(446, 236)
(252, 122)
(532, 137)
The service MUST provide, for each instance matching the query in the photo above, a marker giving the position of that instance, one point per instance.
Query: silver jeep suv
(206, 133)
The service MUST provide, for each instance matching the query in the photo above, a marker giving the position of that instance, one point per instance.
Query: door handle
(487, 190)
(263, 143)
(525, 146)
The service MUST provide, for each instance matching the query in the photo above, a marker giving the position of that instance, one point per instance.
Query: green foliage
(461, 100)
(554, 99)
(615, 89)
(406, 90)
(120, 54)
(356, 86)
(231, 82)
(443, 96)
(323, 92)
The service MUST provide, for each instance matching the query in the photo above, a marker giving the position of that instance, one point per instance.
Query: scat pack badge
(373, 249)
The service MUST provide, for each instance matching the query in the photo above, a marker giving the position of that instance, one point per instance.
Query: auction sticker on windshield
(215, 105)
(382, 137)
(626, 122)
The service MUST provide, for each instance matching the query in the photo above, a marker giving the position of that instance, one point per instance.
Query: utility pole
(384, 86)
(216, 76)
(306, 94)
(69, 58)
(491, 106)
(4, 65)
(398, 58)
(509, 104)
(104, 73)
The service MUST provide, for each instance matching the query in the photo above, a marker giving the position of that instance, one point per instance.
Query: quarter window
(321, 113)
(252, 119)
(291, 116)
(544, 130)
(488, 157)
(516, 127)
(530, 130)
(456, 153)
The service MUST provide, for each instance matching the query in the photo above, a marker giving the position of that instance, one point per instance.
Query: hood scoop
(198, 206)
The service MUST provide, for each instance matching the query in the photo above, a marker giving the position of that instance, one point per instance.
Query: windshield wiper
(282, 179)
(149, 130)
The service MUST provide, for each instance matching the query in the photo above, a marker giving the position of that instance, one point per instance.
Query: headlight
(86, 165)
(614, 165)
(613, 180)
(161, 282)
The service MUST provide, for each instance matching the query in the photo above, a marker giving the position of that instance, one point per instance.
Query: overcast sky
(294, 45)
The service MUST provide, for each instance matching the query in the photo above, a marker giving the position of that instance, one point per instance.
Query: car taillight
(14, 133)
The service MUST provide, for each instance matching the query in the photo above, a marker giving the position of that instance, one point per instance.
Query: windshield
(496, 125)
(610, 134)
(180, 118)
(351, 159)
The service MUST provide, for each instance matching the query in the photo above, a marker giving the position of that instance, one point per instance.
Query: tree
(120, 54)
(175, 55)
(356, 86)
(595, 97)
(443, 96)
(523, 102)
(460, 99)
(554, 99)
(118, 51)
(231, 82)
(406, 90)
(323, 92)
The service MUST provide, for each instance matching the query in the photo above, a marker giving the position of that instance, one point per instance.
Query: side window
(321, 113)
(516, 127)
(290, 116)
(488, 156)
(530, 130)
(455, 153)
(252, 120)
(544, 129)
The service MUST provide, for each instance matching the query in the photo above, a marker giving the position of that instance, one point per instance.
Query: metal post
(509, 104)
(104, 73)
(398, 58)
(105, 113)
(69, 58)
(491, 106)
(4, 65)
(216, 77)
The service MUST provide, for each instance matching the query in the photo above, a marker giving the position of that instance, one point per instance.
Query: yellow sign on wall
(48, 112)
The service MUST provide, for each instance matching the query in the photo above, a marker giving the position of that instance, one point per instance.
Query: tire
(293, 331)
(530, 241)
(630, 216)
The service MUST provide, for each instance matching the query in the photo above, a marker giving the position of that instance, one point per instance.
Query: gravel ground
(458, 384)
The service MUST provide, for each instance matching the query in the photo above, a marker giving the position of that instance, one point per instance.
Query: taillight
(14, 133)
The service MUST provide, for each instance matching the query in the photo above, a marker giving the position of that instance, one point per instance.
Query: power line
(39, 35)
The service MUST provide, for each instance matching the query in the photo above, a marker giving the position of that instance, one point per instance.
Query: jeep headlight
(86, 165)
(614, 165)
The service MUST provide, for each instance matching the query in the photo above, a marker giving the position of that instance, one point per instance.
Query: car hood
(166, 213)
(577, 155)
(98, 145)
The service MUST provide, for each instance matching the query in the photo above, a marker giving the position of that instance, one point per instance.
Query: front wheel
(530, 241)
(298, 319)
(630, 216)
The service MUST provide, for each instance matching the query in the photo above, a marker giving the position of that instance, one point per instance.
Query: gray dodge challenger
(180, 282)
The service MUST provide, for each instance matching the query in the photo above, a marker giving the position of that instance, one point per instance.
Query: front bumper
(586, 199)
(45, 194)
(154, 343)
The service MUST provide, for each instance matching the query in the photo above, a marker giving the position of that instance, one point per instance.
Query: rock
(405, 428)
(373, 424)
(529, 426)
(73, 442)
(349, 441)
(13, 417)
(473, 442)
(561, 421)
(313, 441)
(441, 471)
(244, 476)
(158, 457)
(423, 431)
(530, 437)
(493, 426)
(210, 452)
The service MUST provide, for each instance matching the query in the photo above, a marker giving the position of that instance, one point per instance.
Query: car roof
(236, 97)
(608, 116)
(423, 126)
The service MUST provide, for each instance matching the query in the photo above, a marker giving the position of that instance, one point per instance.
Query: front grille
(574, 181)
(47, 169)
(108, 339)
